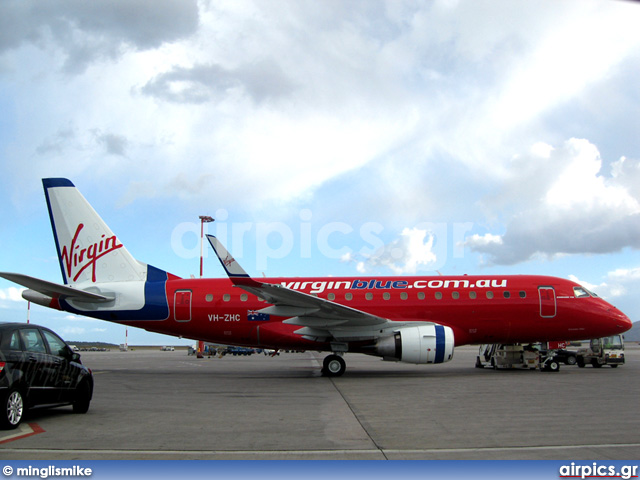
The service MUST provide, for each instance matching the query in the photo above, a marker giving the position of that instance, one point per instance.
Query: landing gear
(333, 366)
(551, 366)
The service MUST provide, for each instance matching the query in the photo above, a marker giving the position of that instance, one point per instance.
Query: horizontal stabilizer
(54, 290)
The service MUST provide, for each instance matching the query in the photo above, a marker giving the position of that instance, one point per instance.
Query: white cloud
(567, 59)
(11, 294)
(622, 282)
(580, 186)
(575, 210)
(286, 103)
(625, 274)
(92, 31)
(411, 252)
(487, 239)
(236, 103)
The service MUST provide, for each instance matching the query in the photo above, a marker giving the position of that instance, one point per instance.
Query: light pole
(203, 219)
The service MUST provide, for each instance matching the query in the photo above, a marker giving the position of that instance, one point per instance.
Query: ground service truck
(602, 351)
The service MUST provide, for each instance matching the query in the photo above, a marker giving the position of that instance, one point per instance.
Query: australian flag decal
(254, 316)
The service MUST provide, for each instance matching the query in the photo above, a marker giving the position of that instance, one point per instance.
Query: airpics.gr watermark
(423, 247)
(594, 470)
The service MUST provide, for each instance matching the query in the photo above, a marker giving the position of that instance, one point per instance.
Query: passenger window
(420, 295)
(243, 297)
(32, 341)
(472, 295)
(386, 295)
(331, 296)
(506, 294)
(455, 295)
(56, 344)
(438, 295)
(226, 297)
(405, 295)
(348, 296)
(522, 294)
(209, 297)
(369, 296)
(489, 294)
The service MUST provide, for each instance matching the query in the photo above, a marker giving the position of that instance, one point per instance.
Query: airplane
(412, 319)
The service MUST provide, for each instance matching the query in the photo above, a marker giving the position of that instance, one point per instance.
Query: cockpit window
(581, 292)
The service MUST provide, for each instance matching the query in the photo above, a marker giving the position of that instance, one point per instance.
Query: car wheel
(12, 409)
(571, 360)
(83, 397)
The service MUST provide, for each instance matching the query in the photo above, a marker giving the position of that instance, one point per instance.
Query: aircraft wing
(319, 318)
(54, 290)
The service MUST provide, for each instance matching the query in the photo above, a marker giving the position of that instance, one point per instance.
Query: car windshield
(612, 343)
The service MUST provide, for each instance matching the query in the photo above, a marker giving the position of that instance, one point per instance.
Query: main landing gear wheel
(333, 366)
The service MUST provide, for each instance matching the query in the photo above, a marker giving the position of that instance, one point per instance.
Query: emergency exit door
(182, 306)
(547, 302)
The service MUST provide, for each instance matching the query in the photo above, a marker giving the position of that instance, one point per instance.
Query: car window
(32, 340)
(56, 344)
(14, 341)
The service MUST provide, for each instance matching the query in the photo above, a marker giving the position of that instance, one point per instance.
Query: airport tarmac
(168, 405)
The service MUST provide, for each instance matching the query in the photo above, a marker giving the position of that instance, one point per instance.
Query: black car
(37, 368)
(568, 357)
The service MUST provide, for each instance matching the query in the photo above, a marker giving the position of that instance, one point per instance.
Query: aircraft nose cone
(622, 321)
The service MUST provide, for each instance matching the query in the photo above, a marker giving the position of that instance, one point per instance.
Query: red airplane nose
(621, 320)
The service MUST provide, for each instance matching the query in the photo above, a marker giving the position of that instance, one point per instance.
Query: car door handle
(32, 358)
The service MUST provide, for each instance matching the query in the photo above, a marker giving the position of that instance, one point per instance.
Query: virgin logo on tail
(76, 259)
(227, 262)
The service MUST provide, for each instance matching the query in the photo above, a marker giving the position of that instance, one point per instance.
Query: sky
(326, 138)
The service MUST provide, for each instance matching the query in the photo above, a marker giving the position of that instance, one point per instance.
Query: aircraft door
(182, 305)
(547, 297)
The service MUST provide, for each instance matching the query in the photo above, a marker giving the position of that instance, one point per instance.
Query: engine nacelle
(422, 344)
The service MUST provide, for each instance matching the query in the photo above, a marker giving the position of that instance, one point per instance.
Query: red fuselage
(479, 309)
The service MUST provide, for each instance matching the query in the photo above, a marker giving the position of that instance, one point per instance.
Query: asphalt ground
(168, 405)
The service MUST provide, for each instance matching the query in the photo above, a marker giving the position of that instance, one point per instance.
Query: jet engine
(422, 344)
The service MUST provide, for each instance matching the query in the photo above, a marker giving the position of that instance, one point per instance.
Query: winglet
(235, 272)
